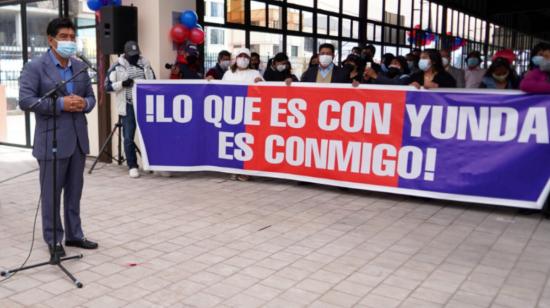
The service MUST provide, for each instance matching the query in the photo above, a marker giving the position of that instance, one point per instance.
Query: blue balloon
(116, 2)
(198, 26)
(94, 5)
(189, 19)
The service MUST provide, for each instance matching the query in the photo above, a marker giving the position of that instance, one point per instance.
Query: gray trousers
(70, 180)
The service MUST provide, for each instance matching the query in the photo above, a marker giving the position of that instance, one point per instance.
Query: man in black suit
(326, 71)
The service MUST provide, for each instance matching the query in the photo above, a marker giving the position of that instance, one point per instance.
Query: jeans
(129, 132)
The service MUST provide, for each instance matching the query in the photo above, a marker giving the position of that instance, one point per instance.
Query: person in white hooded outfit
(130, 66)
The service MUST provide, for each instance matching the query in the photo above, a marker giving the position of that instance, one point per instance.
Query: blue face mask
(537, 60)
(66, 49)
(424, 64)
(473, 62)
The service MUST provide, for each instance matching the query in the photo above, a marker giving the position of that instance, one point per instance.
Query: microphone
(82, 57)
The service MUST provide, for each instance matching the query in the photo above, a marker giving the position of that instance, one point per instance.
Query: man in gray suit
(74, 100)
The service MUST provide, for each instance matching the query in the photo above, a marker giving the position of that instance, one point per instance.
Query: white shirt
(473, 77)
(246, 76)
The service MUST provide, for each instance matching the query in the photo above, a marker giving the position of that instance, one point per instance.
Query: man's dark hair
(435, 58)
(223, 53)
(371, 48)
(281, 56)
(255, 54)
(498, 62)
(59, 23)
(327, 45)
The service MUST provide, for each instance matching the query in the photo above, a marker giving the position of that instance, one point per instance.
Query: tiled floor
(200, 240)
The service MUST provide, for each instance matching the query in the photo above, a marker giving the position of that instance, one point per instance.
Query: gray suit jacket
(37, 78)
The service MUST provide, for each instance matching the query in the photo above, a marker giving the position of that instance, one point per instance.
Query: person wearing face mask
(353, 65)
(75, 99)
(385, 62)
(326, 71)
(367, 56)
(412, 62)
(190, 68)
(129, 67)
(457, 73)
(473, 73)
(536, 56)
(432, 74)
(256, 63)
(537, 80)
(397, 74)
(224, 61)
(241, 72)
(499, 76)
(279, 69)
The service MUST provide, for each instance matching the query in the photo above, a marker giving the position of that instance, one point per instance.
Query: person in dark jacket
(326, 71)
(191, 67)
(279, 69)
(412, 62)
(432, 74)
(224, 61)
(353, 65)
(367, 56)
(397, 73)
(500, 76)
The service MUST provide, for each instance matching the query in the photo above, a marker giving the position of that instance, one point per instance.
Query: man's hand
(288, 81)
(416, 85)
(209, 77)
(73, 103)
(258, 79)
(370, 73)
(355, 83)
(128, 83)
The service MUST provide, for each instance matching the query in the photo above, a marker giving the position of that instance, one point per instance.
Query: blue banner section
(169, 143)
(486, 143)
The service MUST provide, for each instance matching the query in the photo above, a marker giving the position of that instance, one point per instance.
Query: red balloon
(179, 33)
(181, 59)
(196, 36)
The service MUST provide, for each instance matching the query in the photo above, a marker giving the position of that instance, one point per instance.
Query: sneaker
(134, 173)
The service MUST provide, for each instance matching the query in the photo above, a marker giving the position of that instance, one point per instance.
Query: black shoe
(59, 250)
(83, 243)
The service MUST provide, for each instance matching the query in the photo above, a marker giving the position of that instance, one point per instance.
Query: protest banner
(477, 146)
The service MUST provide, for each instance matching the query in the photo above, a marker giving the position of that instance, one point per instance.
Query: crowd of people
(428, 69)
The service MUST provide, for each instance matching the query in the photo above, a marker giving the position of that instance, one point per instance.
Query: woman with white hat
(240, 70)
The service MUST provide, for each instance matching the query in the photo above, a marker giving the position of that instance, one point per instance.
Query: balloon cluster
(421, 37)
(457, 43)
(95, 5)
(454, 43)
(187, 29)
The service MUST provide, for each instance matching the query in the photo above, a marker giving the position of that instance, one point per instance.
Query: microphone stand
(54, 256)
